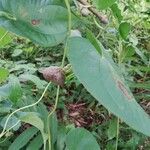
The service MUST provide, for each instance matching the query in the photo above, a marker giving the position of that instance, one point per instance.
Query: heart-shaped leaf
(102, 80)
(40, 21)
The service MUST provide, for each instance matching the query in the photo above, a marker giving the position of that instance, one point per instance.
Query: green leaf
(33, 119)
(61, 137)
(141, 55)
(94, 41)
(36, 80)
(80, 139)
(4, 91)
(40, 21)
(23, 139)
(124, 30)
(12, 121)
(42, 110)
(126, 52)
(117, 12)
(100, 78)
(36, 143)
(12, 90)
(112, 130)
(142, 85)
(17, 52)
(103, 4)
(5, 38)
(5, 106)
(3, 74)
(15, 92)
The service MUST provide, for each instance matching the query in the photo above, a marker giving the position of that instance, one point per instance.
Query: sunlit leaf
(5, 37)
(3, 74)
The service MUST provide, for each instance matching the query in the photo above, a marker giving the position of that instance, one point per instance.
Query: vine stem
(117, 134)
(22, 108)
(62, 65)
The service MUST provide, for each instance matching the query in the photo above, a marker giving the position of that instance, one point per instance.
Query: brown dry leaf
(54, 74)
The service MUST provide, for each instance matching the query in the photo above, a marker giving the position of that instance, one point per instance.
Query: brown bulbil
(54, 74)
(35, 22)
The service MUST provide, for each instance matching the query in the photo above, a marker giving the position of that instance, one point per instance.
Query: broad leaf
(37, 20)
(80, 139)
(100, 78)
(124, 30)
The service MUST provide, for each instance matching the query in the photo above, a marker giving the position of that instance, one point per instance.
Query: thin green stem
(117, 134)
(69, 31)
(62, 65)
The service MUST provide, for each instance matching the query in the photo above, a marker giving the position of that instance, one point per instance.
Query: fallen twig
(101, 17)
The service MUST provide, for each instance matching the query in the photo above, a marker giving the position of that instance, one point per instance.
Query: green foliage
(111, 62)
(23, 139)
(80, 139)
(101, 4)
(36, 143)
(42, 22)
(104, 83)
(34, 120)
(3, 74)
(124, 29)
(5, 37)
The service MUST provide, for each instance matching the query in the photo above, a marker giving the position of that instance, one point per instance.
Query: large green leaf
(40, 21)
(100, 78)
(80, 139)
